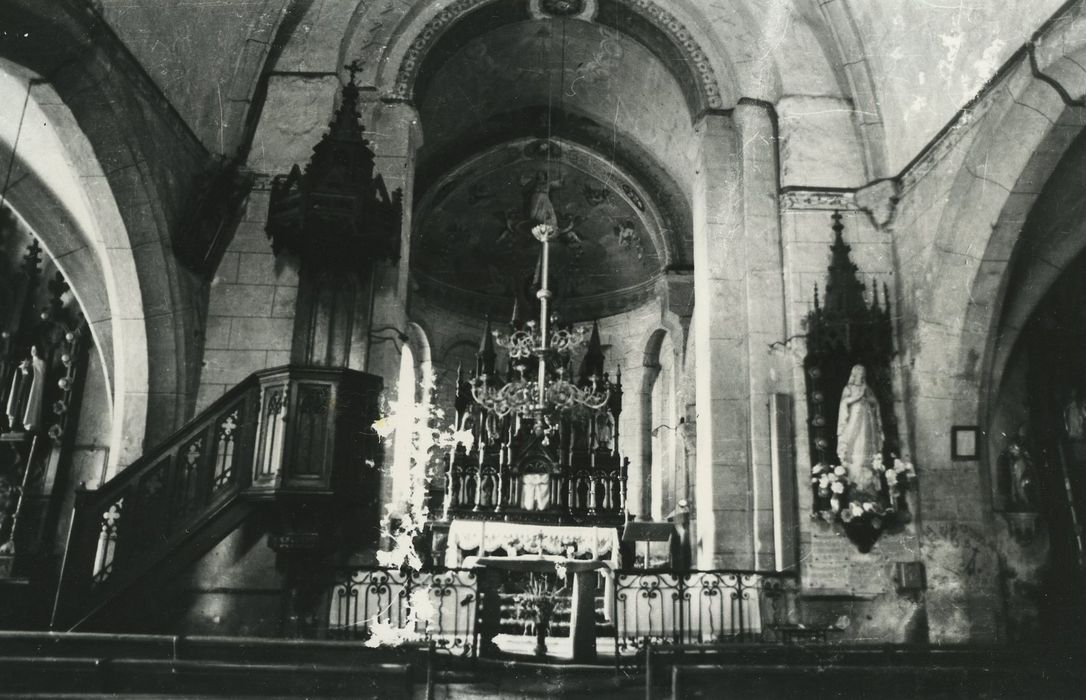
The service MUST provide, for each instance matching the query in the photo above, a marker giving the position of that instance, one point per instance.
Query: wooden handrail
(136, 469)
(121, 530)
(281, 431)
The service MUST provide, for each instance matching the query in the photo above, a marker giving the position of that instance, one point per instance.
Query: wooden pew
(1004, 661)
(50, 662)
(899, 682)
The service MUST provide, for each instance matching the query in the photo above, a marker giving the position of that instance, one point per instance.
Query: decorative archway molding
(97, 261)
(418, 33)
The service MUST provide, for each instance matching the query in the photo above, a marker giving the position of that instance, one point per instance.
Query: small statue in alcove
(1074, 416)
(859, 431)
(24, 407)
(1018, 466)
(604, 430)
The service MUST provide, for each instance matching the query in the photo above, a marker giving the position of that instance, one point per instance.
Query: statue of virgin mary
(859, 430)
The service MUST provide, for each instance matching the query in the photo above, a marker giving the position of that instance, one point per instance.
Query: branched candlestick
(543, 340)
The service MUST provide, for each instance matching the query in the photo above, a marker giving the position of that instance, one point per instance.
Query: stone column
(764, 280)
(636, 443)
(740, 312)
(720, 319)
(395, 135)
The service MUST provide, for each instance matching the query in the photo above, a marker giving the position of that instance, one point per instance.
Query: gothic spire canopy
(338, 213)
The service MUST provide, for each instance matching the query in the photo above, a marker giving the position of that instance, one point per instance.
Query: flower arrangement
(403, 523)
(538, 602)
(838, 499)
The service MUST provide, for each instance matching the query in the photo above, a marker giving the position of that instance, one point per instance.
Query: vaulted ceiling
(920, 61)
(510, 92)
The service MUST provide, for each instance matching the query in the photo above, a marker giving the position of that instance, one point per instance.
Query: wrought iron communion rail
(657, 607)
(699, 607)
(388, 606)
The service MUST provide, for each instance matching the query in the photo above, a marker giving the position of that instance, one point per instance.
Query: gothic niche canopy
(857, 478)
(338, 213)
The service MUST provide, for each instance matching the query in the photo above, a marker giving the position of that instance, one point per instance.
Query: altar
(496, 540)
(578, 552)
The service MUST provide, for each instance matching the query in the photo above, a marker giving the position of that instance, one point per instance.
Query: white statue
(24, 407)
(19, 383)
(859, 430)
(605, 430)
(32, 416)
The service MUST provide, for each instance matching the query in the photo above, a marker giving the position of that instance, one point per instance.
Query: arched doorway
(1039, 465)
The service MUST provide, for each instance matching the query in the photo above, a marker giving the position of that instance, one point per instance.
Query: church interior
(535, 348)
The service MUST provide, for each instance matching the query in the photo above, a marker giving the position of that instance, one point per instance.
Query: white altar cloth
(518, 539)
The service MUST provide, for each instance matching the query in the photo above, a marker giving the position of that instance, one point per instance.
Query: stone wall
(250, 312)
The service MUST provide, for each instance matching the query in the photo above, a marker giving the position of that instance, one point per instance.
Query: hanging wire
(550, 99)
(15, 143)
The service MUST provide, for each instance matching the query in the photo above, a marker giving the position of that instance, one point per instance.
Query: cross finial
(354, 67)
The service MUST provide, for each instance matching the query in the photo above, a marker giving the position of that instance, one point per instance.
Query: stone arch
(973, 251)
(144, 157)
(647, 431)
(419, 33)
(90, 248)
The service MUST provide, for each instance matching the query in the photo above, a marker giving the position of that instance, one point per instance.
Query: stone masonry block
(217, 333)
(284, 303)
(261, 333)
(231, 366)
(243, 300)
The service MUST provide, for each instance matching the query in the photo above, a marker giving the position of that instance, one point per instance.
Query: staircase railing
(136, 518)
(294, 438)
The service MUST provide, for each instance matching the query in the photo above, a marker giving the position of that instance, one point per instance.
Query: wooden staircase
(286, 438)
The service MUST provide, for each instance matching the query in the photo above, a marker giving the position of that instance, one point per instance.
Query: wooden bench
(659, 659)
(50, 662)
(901, 682)
(87, 676)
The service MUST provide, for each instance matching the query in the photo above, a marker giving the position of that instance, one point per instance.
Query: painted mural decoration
(858, 480)
(475, 229)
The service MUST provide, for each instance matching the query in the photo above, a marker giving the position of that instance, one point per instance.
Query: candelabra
(551, 392)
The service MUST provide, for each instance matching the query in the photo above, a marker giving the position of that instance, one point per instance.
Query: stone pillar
(720, 319)
(740, 312)
(763, 265)
(636, 444)
(395, 136)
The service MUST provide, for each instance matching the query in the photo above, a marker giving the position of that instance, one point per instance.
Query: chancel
(542, 348)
